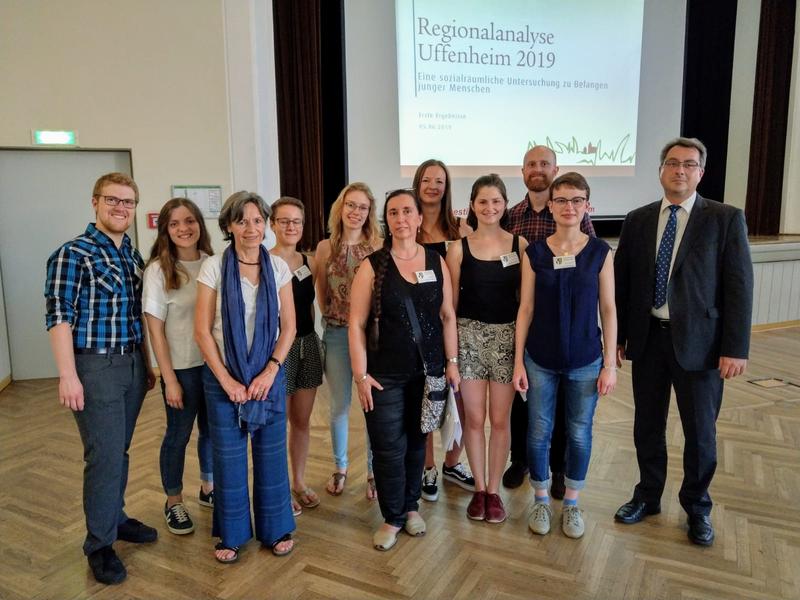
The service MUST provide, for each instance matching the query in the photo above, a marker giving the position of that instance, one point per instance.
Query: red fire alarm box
(152, 220)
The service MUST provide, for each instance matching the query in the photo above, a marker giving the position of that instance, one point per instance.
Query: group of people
(524, 312)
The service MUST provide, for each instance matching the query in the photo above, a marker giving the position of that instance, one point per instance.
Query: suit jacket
(710, 290)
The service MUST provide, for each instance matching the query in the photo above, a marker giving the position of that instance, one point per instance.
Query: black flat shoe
(515, 475)
(701, 531)
(136, 532)
(635, 510)
(558, 488)
(106, 566)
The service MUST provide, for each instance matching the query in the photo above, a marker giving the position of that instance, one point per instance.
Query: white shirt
(682, 216)
(211, 275)
(176, 309)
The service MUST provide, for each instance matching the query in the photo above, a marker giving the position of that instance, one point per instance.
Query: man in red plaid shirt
(533, 220)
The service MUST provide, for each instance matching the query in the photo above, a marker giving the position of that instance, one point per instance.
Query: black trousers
(519, 433)
(699, 397)
(398, 445)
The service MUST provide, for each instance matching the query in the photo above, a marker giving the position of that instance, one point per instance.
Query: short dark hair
(233, 210)
(573, 180)
(685, 142)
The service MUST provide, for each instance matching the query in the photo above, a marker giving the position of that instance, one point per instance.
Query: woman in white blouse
(168, 300)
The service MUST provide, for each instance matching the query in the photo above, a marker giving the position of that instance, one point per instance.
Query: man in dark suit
(684, 293)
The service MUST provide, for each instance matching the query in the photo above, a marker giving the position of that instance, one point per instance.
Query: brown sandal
(306, 498)
(338, 483)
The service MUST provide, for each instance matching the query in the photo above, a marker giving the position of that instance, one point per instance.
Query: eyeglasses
(284, 222)
(114, 201)
(577, 201)
(688, 165)
(352, 207)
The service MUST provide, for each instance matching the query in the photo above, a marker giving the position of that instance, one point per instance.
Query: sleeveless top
(441, 247)
(397, 352)
(340, 271)
(488, 291)
(564, 333)
(303, 292)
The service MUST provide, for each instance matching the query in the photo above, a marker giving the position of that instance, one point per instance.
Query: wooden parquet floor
(756, 514)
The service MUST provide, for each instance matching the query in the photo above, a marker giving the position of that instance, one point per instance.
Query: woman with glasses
(485, 270)
(389, 363)
(558, 343)
(168, 301)
(353, 227)
(438, 230)
(245, 325)
(304, 361)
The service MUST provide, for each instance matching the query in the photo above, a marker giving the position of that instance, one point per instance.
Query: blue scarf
(244, 366)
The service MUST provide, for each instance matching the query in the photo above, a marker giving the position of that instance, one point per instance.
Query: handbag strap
(415, 328)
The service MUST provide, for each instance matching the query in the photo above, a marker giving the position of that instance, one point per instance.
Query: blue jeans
(180, 423)
(272, 506)
(113, 389)
(340, 382)
(580, 399)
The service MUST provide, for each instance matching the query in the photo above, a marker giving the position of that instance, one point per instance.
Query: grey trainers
(572, 522)
(539, 521)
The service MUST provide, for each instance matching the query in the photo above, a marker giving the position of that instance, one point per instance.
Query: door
(45, 200)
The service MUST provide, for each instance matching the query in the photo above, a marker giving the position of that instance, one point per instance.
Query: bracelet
(275, 360)
(610, 367)
(363, 378)
(453, 360)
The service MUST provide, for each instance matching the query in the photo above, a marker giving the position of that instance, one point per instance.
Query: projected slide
(480, 82)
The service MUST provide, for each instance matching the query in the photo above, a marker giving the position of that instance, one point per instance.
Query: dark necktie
(664, 257)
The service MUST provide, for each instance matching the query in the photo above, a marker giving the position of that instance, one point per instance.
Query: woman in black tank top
(485, 268)
(303, 364)
(387, 361)
(439, 229)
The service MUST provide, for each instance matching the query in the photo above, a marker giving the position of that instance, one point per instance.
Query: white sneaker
(539, 521)
(572, 522)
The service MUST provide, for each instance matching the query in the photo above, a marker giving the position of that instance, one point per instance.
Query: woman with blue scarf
(245, 325)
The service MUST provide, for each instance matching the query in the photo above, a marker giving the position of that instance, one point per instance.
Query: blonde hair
(369, 229)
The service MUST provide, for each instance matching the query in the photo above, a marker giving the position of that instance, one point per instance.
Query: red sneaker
(495, 511)
(477, 507)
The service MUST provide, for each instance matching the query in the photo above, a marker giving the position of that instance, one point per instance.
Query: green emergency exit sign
(45, 137)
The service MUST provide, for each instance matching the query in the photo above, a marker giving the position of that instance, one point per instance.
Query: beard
(538, 183)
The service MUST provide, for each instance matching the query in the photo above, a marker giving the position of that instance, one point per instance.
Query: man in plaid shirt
(533, 220)
(94, 317)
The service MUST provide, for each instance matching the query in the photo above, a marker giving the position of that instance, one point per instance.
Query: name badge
(425, 276)
(510, 259)
(302, 273)
(564, 262)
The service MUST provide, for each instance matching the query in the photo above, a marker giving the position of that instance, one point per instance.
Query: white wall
(5, 358)
(748, 16)
(180, 83)
(187, 85)
(790, 210)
